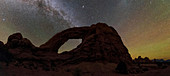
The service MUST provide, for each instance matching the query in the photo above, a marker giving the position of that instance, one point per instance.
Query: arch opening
(69, 45)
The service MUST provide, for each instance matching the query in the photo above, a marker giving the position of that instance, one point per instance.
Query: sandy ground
(84, 69)
(159, 72)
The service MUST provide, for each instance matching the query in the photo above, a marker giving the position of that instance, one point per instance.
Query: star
(83, 6)
(150, 2)
(3, 19)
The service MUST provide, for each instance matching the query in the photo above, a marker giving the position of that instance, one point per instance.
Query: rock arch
(99, 42)
(59, 39)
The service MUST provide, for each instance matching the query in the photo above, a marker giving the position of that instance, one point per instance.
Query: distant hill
(161, 60)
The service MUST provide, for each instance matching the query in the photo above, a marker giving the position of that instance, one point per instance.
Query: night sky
(144, 25)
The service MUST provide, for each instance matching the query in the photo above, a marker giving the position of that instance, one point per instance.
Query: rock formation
(99, 42)
(5, 56)
(20, 48)
(142, 60)
(16, 40)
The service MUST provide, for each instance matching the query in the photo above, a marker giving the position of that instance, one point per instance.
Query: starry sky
(144, 25)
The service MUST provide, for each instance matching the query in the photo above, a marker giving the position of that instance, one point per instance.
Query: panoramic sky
(144, 25)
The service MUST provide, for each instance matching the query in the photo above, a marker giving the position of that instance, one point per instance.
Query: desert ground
(83, 69)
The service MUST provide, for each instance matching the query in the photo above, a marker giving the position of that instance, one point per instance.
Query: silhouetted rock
(5, 56)
(19, 48)
(1, 44)
(142, 60)
(16, 40)
(159, 60)
(100, 42)
(16, 36)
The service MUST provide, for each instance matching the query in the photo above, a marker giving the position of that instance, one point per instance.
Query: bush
(122, 68)
(159, 64)
(145, 69)
(77, 72)
(164, 67)
(46, 68)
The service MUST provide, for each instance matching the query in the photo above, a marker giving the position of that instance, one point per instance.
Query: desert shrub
(159, 64)
(164, 67)
(139, 65)
(77, 72)
(122, 68)
(145, 69)
(35, 67)
(68, 70)
(46, 68)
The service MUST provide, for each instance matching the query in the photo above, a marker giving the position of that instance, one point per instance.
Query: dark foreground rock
(5, 55)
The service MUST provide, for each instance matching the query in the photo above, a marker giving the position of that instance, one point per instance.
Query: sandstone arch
(99, 42)
(59, 39)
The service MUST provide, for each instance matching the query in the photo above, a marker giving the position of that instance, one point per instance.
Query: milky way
(144, 25)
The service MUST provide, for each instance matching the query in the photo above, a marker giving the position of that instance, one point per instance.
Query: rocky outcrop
(60, 38)
(1, 44)
(16, 40)
(142, 60)
(20, 48)
(5, 56)
(100, 42)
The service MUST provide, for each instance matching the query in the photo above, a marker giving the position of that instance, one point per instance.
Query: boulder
(16, 40)
(5, 56)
